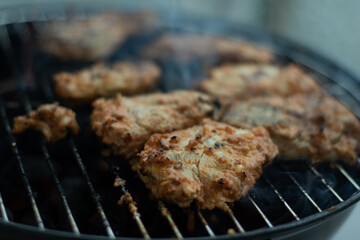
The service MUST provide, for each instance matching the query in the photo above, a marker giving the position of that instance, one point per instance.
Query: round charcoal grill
(65, 190)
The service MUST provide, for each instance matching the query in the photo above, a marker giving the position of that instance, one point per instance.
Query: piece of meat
(186, 47)
(245, 81)
(211, 164)
(52, 120)
(102, 80)
(313, 127)
(92, 38)
(124, 124)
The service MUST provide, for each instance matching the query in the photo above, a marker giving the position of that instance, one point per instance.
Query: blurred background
(328, 26)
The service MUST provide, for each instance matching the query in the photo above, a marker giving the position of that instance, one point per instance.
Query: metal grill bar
(347, 176)
(165, 213)
(304, 192)
(3, 210)
(282, 199)
(95, 196)
(261, 212)
(21, 166)
(127, 198)
(237, 224)
(206, 225)
(325, 183)
(28, 107)
(72, 222)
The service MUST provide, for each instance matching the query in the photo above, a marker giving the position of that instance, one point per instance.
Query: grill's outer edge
(284, 47)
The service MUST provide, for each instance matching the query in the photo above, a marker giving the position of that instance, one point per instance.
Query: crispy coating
(124, 124)
(211, 164)
(101, 80)
(52, 120)
(313, 127)
(93, 38)
(186, 47)
(245, 81)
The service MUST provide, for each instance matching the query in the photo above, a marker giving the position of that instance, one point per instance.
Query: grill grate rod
(237, 224)
(21, 88)
(347, 176)
(28, 108)
(127, 198)
(21, 166)
(165, 213)
(72, 222)
(3, 210)
(303, 191)
(206, 225)
(260, 212)
(95, 196)
(323, 180)
(282, 199)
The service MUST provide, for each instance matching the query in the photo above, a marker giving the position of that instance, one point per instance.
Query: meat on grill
(314, 127)
(250, 80)
(124, 124)
(102, 80)
(93, 38)
(211, 164)
(186, 47)
(52, 120)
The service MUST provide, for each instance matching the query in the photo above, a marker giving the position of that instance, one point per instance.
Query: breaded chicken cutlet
(101, 80)
(124, 124)
(211, 164)
(186, 47)
(313, 127)
(93, 38)
(243, 81)
(52, 120)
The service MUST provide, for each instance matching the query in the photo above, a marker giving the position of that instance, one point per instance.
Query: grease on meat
(52, 120)
(314, 127)
(102, 80)
(124, 124)
(186, 47)
(245, 81)
(211, 164)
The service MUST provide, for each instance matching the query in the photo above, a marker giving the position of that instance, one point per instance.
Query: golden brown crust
(124, 124)
(101, 80)
(52, 120)
(186, 47)
(93, 38)
(211, 164)
(314, 127)
(245, 81)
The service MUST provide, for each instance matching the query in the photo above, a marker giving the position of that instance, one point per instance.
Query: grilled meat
(250, 80)
(186, 47)
(101, 80)
(93, 38)
(52, 120)
(124, 124)
(314, 127)
(211, 164)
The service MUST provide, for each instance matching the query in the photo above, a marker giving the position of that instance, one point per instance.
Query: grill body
(64, 191)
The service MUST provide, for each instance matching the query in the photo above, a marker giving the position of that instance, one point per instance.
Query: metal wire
(165, 212)
(313, 169)
(21, 166)
(261, 212)
(292, 212)
(3, 210)
(237, 224)
(347, 176)
(304, 192)
(206, 225)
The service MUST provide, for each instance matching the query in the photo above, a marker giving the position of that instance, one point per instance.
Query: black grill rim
(282, 46)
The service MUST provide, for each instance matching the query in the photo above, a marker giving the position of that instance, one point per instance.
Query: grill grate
(254, 198)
